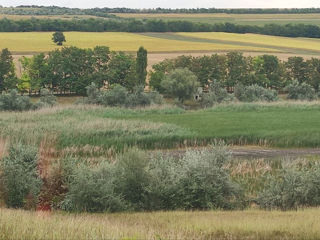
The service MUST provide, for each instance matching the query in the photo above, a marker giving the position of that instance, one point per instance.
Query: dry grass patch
(251, 224)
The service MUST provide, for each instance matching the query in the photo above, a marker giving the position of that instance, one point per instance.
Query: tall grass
(89, 129)
(92, 130)
(251, 224)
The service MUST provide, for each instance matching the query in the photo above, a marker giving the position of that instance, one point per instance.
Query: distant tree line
(132, 25)
(54, 10)
(105, 12)
(234, 68)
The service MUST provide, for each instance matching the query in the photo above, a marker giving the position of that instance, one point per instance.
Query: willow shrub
(20, 177)
(292, 188)
(135, 181)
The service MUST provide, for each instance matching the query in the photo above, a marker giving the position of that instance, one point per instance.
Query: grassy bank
(91, 129)
(250, 224)
(276, 124)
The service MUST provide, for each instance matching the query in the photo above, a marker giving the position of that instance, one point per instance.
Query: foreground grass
(250, 224)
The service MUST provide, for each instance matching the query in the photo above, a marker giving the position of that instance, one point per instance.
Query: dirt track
(259, 152)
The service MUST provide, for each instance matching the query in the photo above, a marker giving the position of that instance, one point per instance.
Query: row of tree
(234, 68)
(153, 25)
(54, 10)
(71, 70)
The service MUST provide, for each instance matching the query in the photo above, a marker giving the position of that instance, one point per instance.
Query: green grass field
(250, 224)
(247, 19)
(278, 125)
(95, 130)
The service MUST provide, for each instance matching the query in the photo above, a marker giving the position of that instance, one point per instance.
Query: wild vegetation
(249, 224)
(134, 181)
(105, 153)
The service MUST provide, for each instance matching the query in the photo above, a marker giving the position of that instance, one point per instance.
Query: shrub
(156, 98)
(93, 94)
(163, 188)
(313, 193)
(116, 96)
(92, 189)
(132, 177)
(195, 181)
(291, 189)
(12, 101)
(301, 91)
(216, 94)
(180, 83)
(138, 98)
(284, 192)
(20, 177)
(254, 93)
(47, 99)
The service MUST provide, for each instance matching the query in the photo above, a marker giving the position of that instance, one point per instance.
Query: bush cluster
(303, 91)
(216, 94)
(291, 189)
(12, 101)
(254, 93)
(119, 96)
(134, 182)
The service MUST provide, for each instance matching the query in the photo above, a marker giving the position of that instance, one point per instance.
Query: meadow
(90, 130)
(249, 224)
(241, 19)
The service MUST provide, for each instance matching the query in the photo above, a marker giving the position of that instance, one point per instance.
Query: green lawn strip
(274, 126)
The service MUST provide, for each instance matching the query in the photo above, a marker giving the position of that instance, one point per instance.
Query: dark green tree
(122, 70)
(58, 38)
(8, 78)
(141, 68)
(181, 84)
(237, 69)
(296, 69)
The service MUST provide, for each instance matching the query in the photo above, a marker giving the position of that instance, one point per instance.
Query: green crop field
(32, 42)
(262, 40)
(251, 224)
(248, 19)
